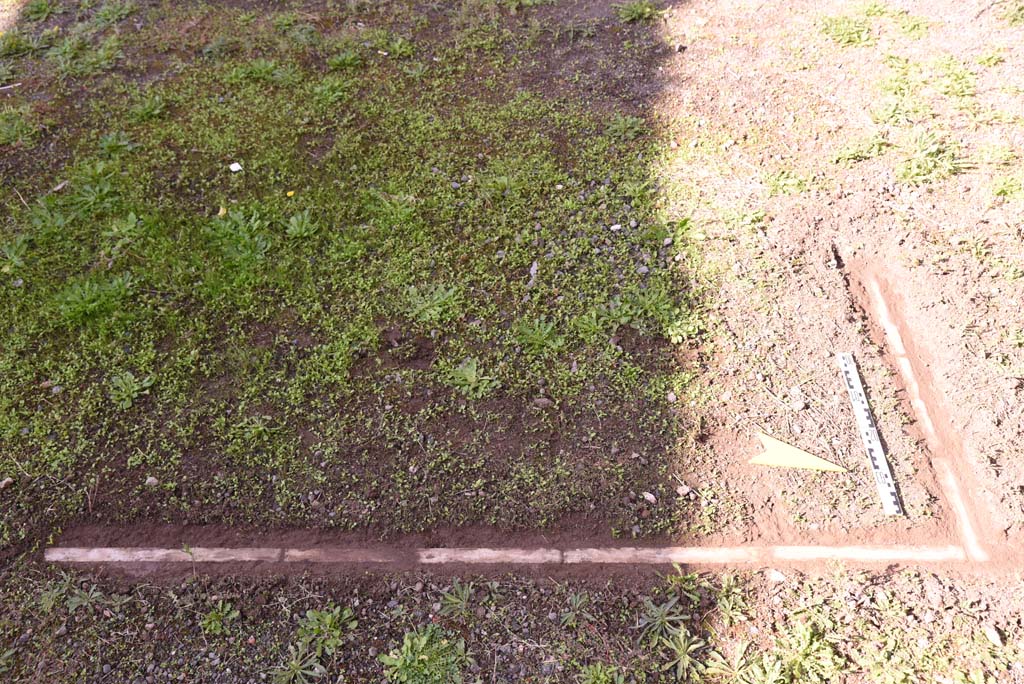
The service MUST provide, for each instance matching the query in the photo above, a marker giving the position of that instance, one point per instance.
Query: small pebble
(152, 481)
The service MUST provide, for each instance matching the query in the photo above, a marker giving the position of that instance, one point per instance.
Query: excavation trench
(183, 551)
(881, 306)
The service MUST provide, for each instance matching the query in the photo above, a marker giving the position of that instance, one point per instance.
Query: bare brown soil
(762, 92)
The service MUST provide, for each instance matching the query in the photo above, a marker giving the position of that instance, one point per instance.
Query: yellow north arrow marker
(780, 454)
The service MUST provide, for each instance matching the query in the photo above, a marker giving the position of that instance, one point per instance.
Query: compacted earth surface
(508, 271)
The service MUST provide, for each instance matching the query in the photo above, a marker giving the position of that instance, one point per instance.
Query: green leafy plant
(687, 326)
(932, 158)
(469, 379)
(152, 106)
(112, 12)
(241, 236)
(578, 610)
(121, 233)
(1014, 13)
(769, 669)
(94, 187)
(691, 585)
(218, 620)
(658, 620)
(125, 388)
(456, 601)
(624, 128)
(346, 59)
(400, 47)
(332, 90)
(87, 300)
(955, 79)
(736, 670)
(262, 70)
(1008, 187)
(301, 666)
(115, 143)
(599, 673)
(39, 10)
(992, 58)
(589, 326)
(538, 337)
(325, 630)
(909, 25)
(637, 10)
(299, 33)
(432, 304)
(732, 604)
(14, 43)
(685, 650)
(808, 656)
(75, 56)
(861, 151)
(14, 252)
(847, 31)
(392, 211)
(428, 655)
(302, 225)
(81, 598)
(17, 126)
(220, 47)
(785, 182)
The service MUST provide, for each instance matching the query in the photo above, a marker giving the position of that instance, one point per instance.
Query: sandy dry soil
(759, 104)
